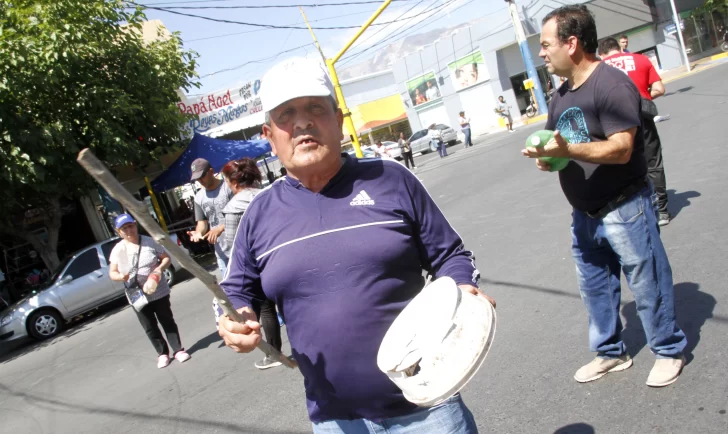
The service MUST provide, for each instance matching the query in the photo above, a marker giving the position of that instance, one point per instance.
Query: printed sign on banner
(218, 108)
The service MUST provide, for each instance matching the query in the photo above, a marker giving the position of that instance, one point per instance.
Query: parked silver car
(420, 141)
(81, 283)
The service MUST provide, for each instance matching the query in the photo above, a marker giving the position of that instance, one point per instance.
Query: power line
(269, 26)
(269, 6)
(387, 39)
(263, 30)
(257, 60)
(377, 32)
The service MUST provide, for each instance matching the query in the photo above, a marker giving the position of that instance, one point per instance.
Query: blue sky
(226, 46)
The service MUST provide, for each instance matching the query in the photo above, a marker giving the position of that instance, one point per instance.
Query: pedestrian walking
(649, 84)
(505, 111)
(244, 180)
(614, 225)
(339, 294)
(436, 138)
(406, 151)
(465, 126)
(138, 261)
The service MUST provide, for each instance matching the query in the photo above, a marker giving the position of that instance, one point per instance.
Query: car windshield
(441, 126)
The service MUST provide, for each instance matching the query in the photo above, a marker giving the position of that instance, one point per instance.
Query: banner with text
(218, 108)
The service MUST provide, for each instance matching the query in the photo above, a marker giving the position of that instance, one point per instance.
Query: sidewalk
(697, 66)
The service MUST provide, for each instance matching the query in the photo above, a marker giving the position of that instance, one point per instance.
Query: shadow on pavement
(681, 90)
(10, 351)
(685, 294)
(576, 428)
(205, 343)
(64, 405)
(693, 308)
(677, 201)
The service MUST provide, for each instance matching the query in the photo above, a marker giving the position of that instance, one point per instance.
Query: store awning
(377, 113)
(217, 151)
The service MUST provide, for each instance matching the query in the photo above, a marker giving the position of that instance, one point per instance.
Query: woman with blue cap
(139, 262)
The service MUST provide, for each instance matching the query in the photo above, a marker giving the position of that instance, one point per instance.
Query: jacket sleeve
(242, 282)
(441, 248)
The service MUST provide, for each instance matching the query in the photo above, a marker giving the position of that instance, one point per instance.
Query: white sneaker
(163, 361)
(267, 363)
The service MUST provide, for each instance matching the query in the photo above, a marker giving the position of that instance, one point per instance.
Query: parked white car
(81, 283)
(369, 151)
(420, 140)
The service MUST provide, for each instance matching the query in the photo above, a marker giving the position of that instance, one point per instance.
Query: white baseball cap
(294, 78)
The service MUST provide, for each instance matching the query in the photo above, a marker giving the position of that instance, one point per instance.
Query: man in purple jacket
(339, 244)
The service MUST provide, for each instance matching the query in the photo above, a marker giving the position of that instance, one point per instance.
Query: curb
(701, 69)
(538, 118)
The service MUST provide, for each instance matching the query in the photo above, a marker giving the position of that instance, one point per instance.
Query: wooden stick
(103, 176)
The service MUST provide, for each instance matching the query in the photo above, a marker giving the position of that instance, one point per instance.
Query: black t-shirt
(607, 103)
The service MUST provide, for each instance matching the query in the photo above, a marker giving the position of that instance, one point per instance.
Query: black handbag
(133, 290)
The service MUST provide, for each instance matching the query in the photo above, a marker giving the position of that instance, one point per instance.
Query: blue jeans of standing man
(451, 416)
(628, 240)
(442, 149)
(468, 141)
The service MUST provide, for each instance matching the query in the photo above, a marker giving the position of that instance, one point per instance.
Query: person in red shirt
(642, 72)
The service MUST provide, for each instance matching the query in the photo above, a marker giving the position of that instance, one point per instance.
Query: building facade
(471, 67)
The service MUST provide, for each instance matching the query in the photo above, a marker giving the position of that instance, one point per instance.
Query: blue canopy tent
(217, 151)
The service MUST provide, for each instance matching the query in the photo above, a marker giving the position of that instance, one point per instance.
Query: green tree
(710, 5)
(77, 74)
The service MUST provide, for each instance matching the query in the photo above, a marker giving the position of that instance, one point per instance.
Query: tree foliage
(77, 74)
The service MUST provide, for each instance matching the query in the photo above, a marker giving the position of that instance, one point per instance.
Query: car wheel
(169, 276)
(44, 324)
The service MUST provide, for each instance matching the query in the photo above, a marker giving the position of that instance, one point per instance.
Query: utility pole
(313, 35)
(335, 78)
(526, 54)
(678, 29)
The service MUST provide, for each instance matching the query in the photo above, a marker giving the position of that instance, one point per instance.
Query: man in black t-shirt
(614, 222)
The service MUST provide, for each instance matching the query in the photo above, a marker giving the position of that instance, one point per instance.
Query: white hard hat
(294, 78)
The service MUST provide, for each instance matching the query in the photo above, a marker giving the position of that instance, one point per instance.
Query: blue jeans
(451, 416)
(627, 240)
(468, 141)
(222, 261)
(442, 149)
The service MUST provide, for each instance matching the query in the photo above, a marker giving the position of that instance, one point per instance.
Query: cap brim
(197, 175)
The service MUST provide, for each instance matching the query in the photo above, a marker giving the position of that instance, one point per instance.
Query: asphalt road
(100, 375)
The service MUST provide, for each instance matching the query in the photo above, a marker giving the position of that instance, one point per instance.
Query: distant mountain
(385, 56)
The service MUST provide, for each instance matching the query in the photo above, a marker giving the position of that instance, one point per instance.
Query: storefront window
(704, 32)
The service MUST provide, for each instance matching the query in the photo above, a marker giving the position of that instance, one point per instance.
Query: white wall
(369, 88)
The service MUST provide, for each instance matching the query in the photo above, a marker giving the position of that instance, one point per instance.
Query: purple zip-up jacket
(341, 265)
